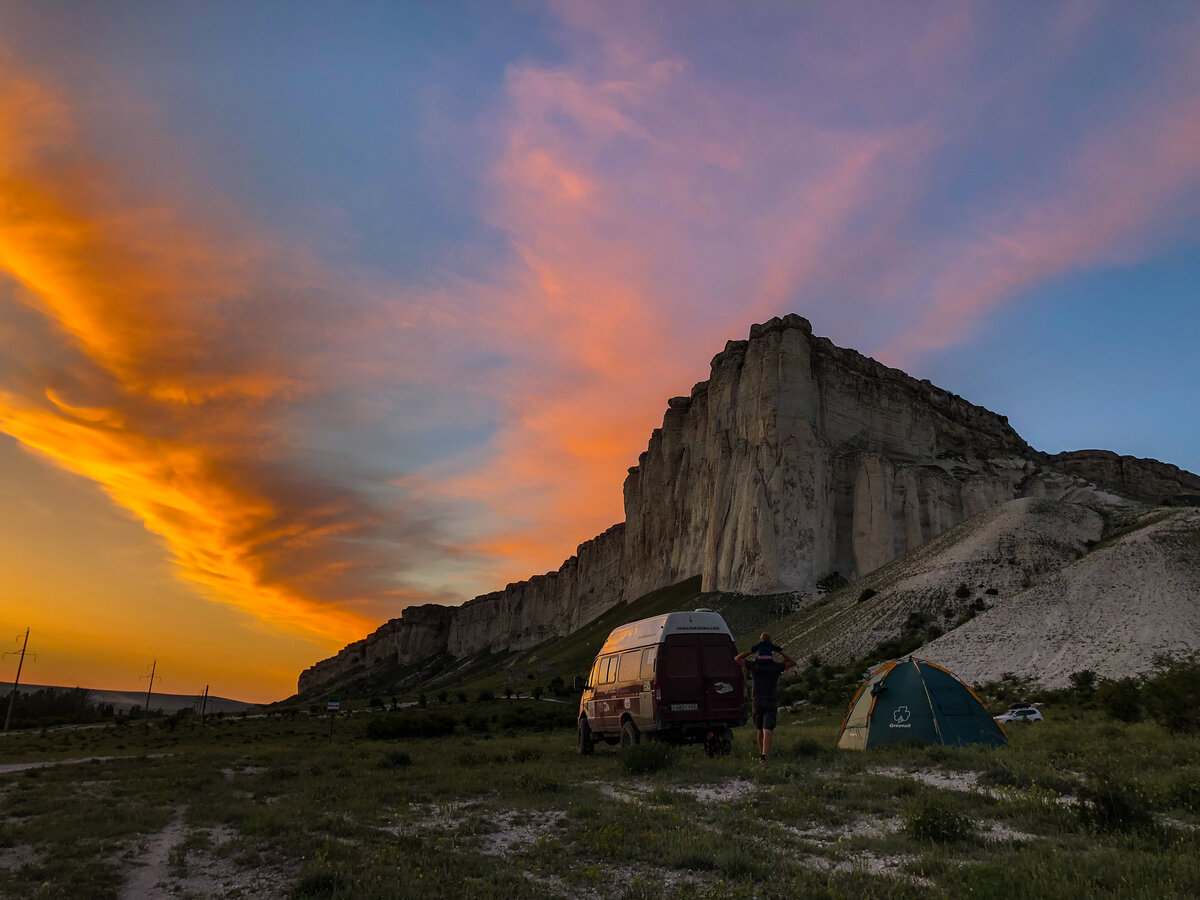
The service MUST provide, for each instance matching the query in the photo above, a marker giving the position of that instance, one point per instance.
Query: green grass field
(1078, 806)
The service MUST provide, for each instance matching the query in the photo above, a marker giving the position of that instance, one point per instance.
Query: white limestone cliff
(794, 460)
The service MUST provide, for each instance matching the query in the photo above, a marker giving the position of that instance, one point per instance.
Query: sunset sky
(313, 311)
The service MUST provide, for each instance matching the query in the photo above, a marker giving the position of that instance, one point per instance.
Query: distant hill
(123, 701)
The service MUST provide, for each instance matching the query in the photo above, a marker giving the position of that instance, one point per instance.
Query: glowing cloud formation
(382, 317)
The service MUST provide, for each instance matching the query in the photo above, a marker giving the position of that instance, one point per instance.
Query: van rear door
(724, 681)
(700, 679)
(680, 679)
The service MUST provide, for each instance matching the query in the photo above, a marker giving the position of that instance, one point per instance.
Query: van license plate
(684, 707)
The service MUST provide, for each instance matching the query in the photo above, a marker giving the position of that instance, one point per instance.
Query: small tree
(1083, 682)
(1121, 699)
(537, 692)
(1172, 696)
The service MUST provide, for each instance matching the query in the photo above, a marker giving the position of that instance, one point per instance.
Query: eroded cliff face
(1147, 479)
(796, 459)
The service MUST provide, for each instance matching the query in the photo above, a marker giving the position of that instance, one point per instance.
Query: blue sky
(313, 312)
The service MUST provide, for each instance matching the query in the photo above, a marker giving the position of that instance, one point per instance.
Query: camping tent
(913, 699)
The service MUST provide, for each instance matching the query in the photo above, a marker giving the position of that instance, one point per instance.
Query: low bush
(1121, 699)
(1172, 696)
(930, 818)
(410, 724)
(1109, 805)
(395, 759)
(644, 758)
(534, 781)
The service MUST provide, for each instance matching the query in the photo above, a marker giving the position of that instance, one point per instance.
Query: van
(672, 678)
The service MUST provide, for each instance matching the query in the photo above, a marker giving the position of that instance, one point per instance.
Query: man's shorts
(766, 717)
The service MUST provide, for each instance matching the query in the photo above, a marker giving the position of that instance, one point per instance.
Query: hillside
(1132, 597)
(796, 466)
(1036, 588)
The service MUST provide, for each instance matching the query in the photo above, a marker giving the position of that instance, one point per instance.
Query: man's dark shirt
(766, 679)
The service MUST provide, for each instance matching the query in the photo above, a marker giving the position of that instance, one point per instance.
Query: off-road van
(671, 678)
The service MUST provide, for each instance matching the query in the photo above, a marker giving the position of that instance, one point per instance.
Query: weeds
(645, 758)
(931, 819)
(522, 815)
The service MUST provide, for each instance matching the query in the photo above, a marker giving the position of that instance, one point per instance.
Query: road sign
(335, 704)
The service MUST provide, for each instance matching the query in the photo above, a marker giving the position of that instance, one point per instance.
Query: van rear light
(656, 690)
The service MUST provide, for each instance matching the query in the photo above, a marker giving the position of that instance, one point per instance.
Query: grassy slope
(821, 628)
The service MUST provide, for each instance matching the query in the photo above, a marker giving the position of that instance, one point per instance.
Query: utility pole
(203, 704)
(12, 698)
(149, 688)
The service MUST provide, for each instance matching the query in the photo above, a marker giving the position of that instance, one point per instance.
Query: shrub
(807, 747)
(867, 594)
(831, 582)
(415, 723)
(1107, 805)
(1121, 699)
(535, 781)
(395, 759)
(1172, 696)
(1083, 682)
(644, 758)
(931, 819)
(962, 592)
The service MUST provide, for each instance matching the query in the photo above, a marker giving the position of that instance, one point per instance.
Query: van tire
(586, 743)
(629, 733)
(720, 744)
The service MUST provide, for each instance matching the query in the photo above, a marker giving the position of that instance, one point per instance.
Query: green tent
(913, 699)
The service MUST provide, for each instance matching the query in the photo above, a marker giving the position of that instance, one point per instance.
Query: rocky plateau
(796, 461)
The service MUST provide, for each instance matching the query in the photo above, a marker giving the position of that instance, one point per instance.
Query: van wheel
(725, 743)
(720, 744)
(586, 744)
(629, 734)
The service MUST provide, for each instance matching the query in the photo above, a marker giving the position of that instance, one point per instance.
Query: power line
(150, 687)
(12, 698)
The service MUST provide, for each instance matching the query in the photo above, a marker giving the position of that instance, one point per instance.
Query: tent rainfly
(913, 699)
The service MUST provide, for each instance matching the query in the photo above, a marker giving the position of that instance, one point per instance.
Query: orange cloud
(654, 215)
(176, 353)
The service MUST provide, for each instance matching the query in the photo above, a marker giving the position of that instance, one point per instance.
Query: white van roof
(652, 631)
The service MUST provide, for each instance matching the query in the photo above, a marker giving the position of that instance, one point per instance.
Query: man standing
(766, 671)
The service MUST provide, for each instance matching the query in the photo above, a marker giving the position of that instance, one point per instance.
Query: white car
(1021, 714)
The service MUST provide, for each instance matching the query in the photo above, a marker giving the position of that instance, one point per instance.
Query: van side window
(630, 666)
(609, 670)
(648, 656)
(682, 662)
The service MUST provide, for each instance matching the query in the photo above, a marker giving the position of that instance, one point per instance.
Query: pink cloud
(1123, 191)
